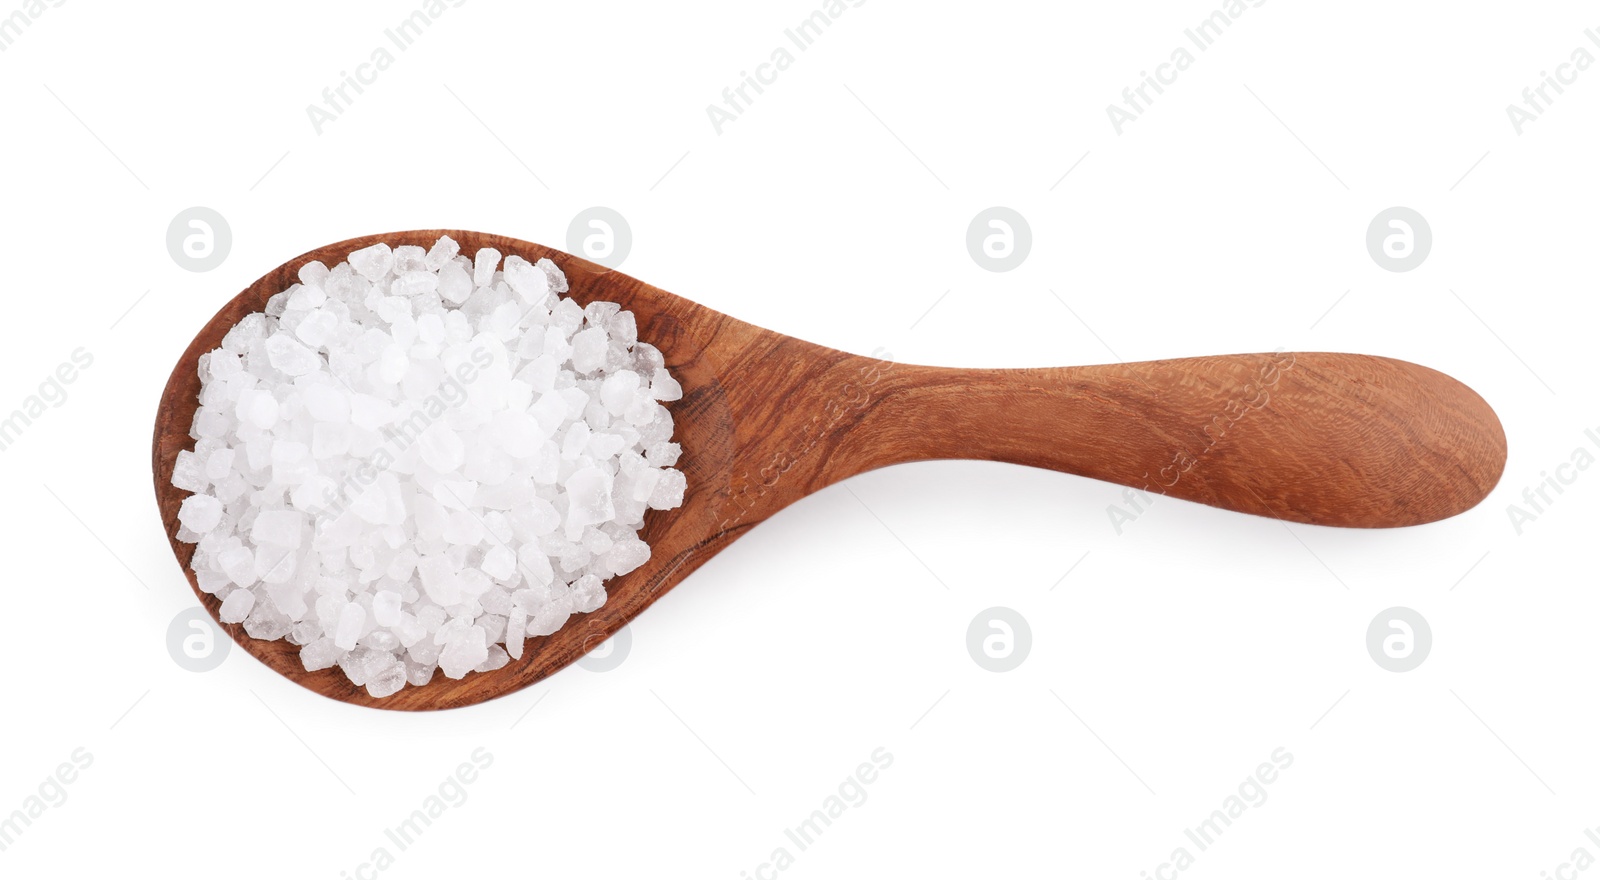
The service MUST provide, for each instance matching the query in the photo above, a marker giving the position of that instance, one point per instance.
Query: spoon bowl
(766, 419)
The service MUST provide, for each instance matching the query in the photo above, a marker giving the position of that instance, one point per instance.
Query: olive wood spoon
(766, 419)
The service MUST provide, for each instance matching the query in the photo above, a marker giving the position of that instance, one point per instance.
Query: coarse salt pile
(416, 460)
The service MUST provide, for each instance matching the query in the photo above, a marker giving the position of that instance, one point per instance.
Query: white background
(1172, 659)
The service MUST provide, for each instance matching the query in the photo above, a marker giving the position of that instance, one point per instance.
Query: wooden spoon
(1331, 439)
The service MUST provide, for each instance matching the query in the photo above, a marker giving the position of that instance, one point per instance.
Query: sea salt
(200, 513)
(237, 606)
(415, 460)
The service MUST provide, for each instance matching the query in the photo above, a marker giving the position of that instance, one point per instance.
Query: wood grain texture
(766, 419)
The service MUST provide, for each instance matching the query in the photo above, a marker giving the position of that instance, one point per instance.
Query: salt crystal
(327, 403)
(275, 565)
(575, 440)
(288, 597)
(663, 454)
(664, 387)
(409, 258)
(372, 262)
(209, 580)
(351, 617)
(529, 283)
(550, 616)
(463, 527)
(617, 391)
(587, 594)
(369, 412)
(414, 283)
(567, 317)
(408, 629)
(424, 652)
(279, 528)
(440, 580)
(518, 433)
(265, 622)
(484, 265)
(442, 252)
(313, 494)
(558, 279)
(200, 513)
(499, 562)
(540, 517)
(496, 601)
(239, 564)
(251, 328)
(380, 640)
(353, 664)
(224, 365)
(210, 422)
(669, 492)
(596, 541)
(386, 608)
(287, 354)
(418, 674)
(189, 473)
(392, 364)
(627, 555)
(589, 350)
(291, 462)
(473, 583)
(455, 494)
(644, 484)
(388, 681)
(454, 284)
(257, 408)
(516, 632)
(464, 651)
(534, 564)
(320, 654)
(550, 410)
(329, 440)
(313, 273)
(236, 607)
(589, 496)
(496, 659)
(442, 448)
(647, 359)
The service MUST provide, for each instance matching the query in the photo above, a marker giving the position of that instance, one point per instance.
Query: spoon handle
(1331, 439)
